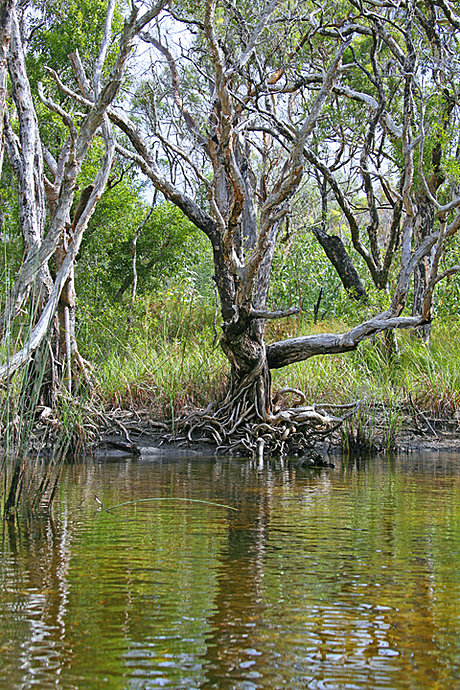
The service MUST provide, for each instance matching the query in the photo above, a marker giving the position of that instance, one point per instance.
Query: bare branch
(79, 71)
(263, 314)
(191, 124)
(145, 159)
(104, 47)
(291, 176)
(292, 350)
(447, 273)
(253, 38)
(83, 100)
(56, 108)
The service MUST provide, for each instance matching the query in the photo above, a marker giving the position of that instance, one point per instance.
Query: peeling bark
(26, 158)
(244, 240)
(258, 119)
(6, 11)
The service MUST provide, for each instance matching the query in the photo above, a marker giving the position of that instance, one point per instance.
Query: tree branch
(263, 314)
(292, 350)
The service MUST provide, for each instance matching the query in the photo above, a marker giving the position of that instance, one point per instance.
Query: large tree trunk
(243, 344)
(247, 420)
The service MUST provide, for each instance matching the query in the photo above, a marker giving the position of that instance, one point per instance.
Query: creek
(235, 576)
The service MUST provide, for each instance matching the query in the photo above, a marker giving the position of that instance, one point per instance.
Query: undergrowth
(174, 363)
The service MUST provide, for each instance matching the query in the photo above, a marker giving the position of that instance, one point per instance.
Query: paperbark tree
(247, 145)
(47, 199)
(394, 158)
(6, 10)
(226, 134)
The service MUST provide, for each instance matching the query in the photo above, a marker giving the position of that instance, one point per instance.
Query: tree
(45, 199)
(263, 79)
(396, 158)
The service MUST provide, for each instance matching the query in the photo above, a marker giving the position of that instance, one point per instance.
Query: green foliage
(10, 236)
(170, 249)
(300, 271)
(60, 27)
(302, 275)
(176, 314)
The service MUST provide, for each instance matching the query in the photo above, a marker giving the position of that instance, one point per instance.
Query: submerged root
(239, 425)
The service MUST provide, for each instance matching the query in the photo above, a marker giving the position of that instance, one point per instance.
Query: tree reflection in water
(345, 577)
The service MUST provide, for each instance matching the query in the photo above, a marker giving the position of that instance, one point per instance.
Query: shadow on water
(342, 577)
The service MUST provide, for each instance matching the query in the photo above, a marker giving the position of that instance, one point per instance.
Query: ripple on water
(343, 578)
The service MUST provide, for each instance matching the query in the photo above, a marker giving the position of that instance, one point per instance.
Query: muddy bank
(135, 433)
(119, 432)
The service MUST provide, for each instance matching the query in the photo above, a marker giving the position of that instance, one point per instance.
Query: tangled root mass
(241, 425)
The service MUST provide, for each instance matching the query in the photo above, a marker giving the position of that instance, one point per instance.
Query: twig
(169, 498)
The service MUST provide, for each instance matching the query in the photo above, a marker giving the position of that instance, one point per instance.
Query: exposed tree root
(240, 424)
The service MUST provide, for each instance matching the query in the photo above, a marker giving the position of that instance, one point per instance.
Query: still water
(337, 578)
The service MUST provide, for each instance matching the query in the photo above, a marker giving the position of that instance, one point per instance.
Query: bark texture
(38, 193)
(338, 256)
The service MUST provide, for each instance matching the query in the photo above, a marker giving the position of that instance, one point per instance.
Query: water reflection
(334, 578)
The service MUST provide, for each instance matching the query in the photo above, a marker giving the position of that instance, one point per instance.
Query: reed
(35, 439)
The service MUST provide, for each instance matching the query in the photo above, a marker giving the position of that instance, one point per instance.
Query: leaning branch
(285, 352)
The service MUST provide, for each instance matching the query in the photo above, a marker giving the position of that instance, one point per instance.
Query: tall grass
(165, 360)
(34, 438)
(164, 377)
(171, 363)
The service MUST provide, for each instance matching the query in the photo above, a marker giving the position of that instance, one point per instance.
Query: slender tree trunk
(66, 317)
(6, 9)
(67, 341)
(338, 256)
(424, 226)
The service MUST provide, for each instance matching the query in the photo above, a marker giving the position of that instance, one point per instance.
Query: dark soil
(133, 433)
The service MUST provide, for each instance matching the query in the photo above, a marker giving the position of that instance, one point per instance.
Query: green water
(339, 578)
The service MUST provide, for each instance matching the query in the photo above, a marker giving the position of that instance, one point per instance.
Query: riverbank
(34, 460)
(141, 388)
(168, 377)
(129, 432)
